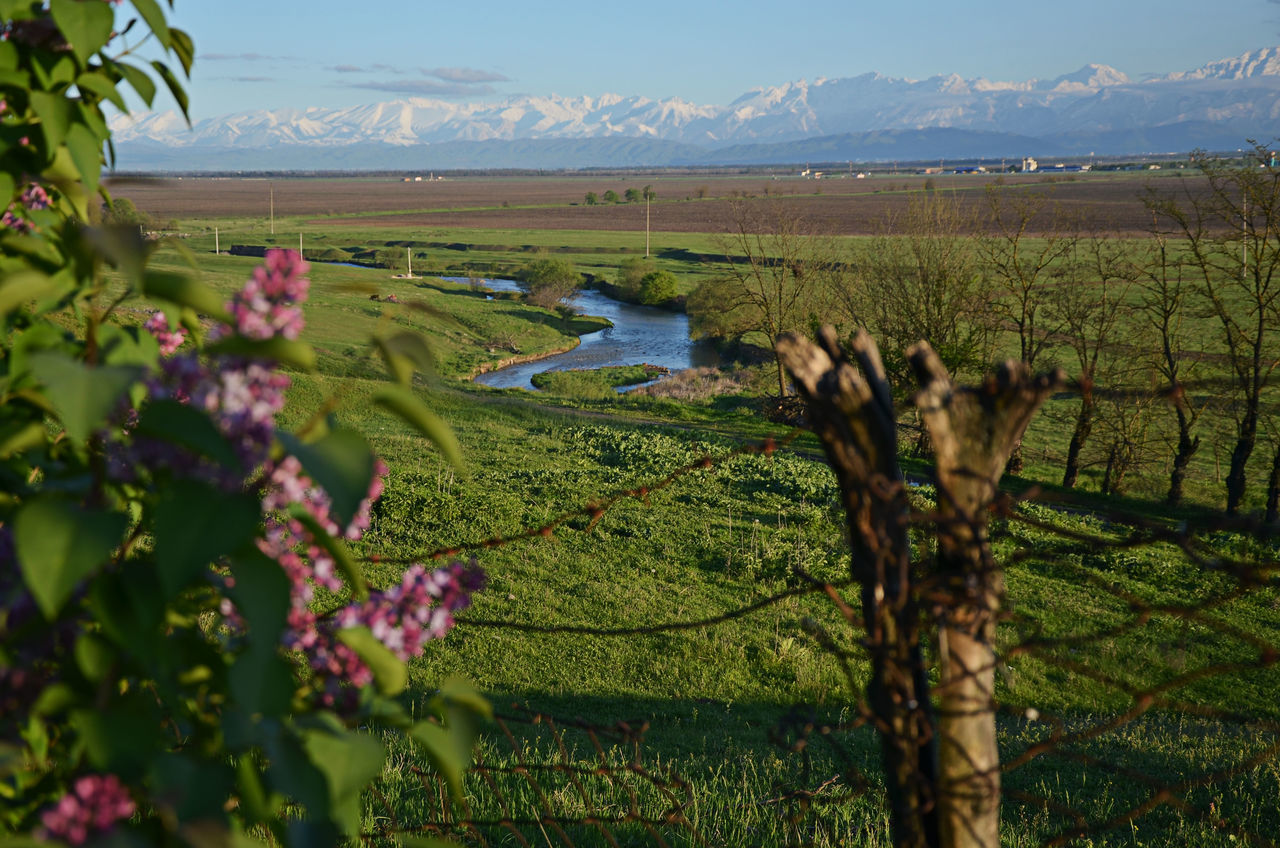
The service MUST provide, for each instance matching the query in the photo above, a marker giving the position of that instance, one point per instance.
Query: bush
(547, 281)
(164, 677)
(658, 287)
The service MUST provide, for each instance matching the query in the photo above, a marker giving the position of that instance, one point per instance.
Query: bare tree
(1024, 249)
(1232, 235)
(775, 273)
(1089, 303)
(918, 280)
(1165, 301)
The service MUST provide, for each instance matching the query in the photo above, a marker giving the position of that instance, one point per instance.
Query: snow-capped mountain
(1239, 95)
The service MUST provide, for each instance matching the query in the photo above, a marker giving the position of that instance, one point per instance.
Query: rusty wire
(609, 791)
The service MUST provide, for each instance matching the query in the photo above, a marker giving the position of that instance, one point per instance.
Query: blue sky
(275, 53)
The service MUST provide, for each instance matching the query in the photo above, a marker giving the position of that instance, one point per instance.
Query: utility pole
(646, 223)
(216, 249)
(271, 193)
(299, 245)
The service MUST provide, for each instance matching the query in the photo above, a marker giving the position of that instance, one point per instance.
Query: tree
(591, 198)
(1021, 269)
(1232, 234)
(632, 195)
(773, 277)
(631, 274)
(548, 281)
(658, 287)
(610, 196)
(1165, 301)
(121, 212)
(920, 280)
(1089, 303)
(649, 194)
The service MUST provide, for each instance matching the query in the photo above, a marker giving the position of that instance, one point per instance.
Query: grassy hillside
(715, 540)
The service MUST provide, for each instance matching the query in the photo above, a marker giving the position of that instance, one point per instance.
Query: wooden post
(973, 430)
(942, 774)
(852, 412)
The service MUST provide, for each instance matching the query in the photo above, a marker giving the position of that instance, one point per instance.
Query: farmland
(714, 541)
(691, 205)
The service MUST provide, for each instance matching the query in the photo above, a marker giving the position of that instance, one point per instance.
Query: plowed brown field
(840, 206)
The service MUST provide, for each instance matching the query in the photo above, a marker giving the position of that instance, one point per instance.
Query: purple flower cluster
(34, 199)
(170, 340)
(269, 305)
(421, 608)
(94, 804)
(243, 397)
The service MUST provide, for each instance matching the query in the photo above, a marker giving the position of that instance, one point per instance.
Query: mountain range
(870, 117)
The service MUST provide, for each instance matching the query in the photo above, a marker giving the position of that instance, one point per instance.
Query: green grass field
(718, 539)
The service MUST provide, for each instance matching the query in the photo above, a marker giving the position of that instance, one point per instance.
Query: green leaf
(183, 48)
(448, 754)
(87, 26)
(97, 83)
(404, 403)
(349, 762)
(154, 16)
(261, 595)
(175, 87)
(140, 80)
(54, 112)
(21, 287)
(86, 151)
(183, 290)
(262, 681)
(17, 437)
(184, 425)
(390, 674)
(84, 396)
(195, 525)
(448, 746)
(60, 543)
(459, 692)
(286, 351)
(94, 656)
(403, 353)
(342, 464)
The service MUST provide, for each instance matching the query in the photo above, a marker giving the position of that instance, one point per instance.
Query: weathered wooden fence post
(943, 772)
(974, 430)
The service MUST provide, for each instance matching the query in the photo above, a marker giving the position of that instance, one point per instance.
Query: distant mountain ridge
(1089, 110)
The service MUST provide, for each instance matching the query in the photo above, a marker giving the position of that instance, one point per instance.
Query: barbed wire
(513, 793)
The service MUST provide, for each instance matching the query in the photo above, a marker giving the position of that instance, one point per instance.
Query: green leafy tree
(548, 282)
(163, 677)
(631, 195)
(658, 287)
(631, 274)
(648, 193)
(121, 212)
(610, 196)
(591, 198)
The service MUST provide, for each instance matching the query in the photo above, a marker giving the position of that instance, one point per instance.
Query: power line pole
(646, 223)
(271, 191)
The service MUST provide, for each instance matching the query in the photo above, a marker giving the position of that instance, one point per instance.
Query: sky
(268, 54)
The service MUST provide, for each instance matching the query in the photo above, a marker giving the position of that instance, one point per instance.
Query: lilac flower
(170, 340)
(94, 805)
(35, 198)
(268, 305)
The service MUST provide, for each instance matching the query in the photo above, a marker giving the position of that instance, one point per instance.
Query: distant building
(1029, 164)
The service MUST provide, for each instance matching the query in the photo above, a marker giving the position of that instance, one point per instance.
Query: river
(640, 334)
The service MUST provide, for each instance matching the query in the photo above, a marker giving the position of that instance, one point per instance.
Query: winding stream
(640, 334)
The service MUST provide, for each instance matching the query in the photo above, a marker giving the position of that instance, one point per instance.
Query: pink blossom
(170, 340)
(94, 805)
